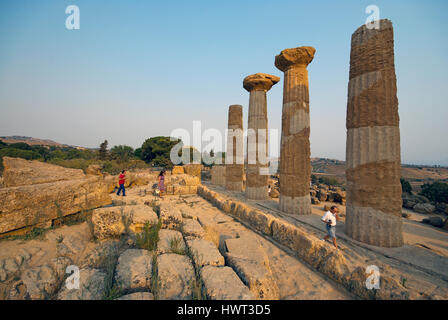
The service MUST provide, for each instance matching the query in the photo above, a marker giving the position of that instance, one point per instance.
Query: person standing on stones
(161, 182)
(330, 217)
(121, 181)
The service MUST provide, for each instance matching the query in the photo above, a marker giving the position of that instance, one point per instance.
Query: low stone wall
(133, 179)
(320, 255)
(21, 172)
(39, 204)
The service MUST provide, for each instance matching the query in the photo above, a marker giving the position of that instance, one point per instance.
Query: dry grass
(210, 234)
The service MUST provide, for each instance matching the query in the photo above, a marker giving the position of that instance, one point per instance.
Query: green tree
(436, 192)
(19, 153)
(138, 153)
(405, 185)
(20, 145)
(189, 154)
(103, 150)
(156, 150)
(121, 153)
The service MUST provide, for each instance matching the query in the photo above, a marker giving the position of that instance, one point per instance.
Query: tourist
(330, 218)
(121, 181)
(161, 182)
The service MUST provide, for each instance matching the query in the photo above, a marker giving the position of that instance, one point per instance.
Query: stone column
(295, 163)
(235, 149)
(257, 173)
(373, 140)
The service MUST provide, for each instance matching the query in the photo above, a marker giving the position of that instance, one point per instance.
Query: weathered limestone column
(373, 140)
(257, 141)
(218, 175)
(295, 163)
(235, 149)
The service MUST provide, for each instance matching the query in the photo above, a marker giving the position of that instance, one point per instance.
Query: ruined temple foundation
(373, 140)
(257, 172)
(295, 163)
(235, 149)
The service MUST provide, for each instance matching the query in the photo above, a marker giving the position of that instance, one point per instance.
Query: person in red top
(121, 181)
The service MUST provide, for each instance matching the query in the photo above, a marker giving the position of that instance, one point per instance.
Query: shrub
(436, 192)
(149, 237)
(330, 181)
(405, 185)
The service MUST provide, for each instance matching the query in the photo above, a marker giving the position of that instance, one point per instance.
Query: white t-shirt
(328, 216)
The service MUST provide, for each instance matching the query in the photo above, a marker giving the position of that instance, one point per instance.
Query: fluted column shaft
(295, 162)
(235, 149)
(373, 161)
(257, 137)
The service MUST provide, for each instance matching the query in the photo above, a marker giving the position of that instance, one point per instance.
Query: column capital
(260, 81)
(301, 56)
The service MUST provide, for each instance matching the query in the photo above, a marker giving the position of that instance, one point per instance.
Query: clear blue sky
(142, 68)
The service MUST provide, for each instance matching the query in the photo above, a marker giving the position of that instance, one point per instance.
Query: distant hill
(415, 174)
(36, 141)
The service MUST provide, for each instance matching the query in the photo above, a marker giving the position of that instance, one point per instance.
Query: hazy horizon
(138, 70)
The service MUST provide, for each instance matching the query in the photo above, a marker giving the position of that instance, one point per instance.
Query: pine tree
(103, 150)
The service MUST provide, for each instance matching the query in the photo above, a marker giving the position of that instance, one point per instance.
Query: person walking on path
(161, 182)
(121, 181)
(330, 217)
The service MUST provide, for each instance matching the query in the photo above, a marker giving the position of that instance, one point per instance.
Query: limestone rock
(248, 259)
(424, 208)
(274, 193)
(137, 296)
(178, 170)
(390, 288)
(169, 241)
(32, 205)
(193, 169)
(39, 283)
(94, 170)
(222, 283)
(434, 221)
(181, 184)
(171, 217)
(322, 195)
(205, 253)
(21, 172)
(91, 286)
(176, 277)
(95, 256)
(192, 228)
(134, 269)
(109, 222)
(410, 200)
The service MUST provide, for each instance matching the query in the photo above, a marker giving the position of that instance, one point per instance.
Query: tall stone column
(235, 149)
(257, 141)
(373, 140)
(295, 163)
